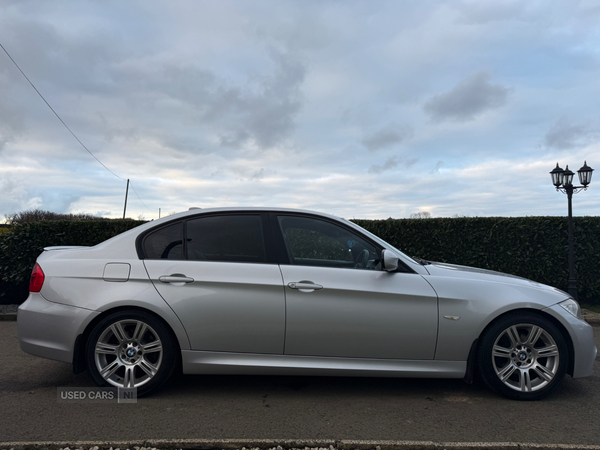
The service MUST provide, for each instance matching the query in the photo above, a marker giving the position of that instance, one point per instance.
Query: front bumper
(582, 336)
(49, 329)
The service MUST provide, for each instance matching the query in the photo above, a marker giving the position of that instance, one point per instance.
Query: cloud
(4, 140)
(16, 195)
(55, 57)
(11, 118)
(389, 164)
(387, 137)
(13, 196)
(258, 174)
(411, 162)
(565, 135)
(437, 168)
(468, 99)
(260, 110)
(226, 102)
(59, 201)
(476, 12)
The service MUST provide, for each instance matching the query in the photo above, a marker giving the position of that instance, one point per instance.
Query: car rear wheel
(523, 356)
(131, 349)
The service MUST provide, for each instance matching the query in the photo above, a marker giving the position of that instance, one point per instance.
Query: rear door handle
(305, 286)
(176, 279)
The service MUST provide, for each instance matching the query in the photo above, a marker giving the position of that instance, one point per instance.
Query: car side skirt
(199, 362)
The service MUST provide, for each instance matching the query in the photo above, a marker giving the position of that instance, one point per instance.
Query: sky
(362, 109)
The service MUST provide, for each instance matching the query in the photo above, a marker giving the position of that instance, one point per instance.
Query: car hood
(437, 269)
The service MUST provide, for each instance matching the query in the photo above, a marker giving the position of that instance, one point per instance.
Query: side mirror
(390, 260)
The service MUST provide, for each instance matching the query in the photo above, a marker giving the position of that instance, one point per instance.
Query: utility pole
(126, 192)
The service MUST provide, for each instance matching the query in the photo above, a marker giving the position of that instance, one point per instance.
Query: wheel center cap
(130, 353)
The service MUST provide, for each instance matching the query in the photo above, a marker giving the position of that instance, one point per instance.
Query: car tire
(131, 349)
(523, 356)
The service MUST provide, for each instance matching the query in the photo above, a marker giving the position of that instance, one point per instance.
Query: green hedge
(21, 246)
(531, 247)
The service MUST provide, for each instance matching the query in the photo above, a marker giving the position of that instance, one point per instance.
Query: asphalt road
(245, 407)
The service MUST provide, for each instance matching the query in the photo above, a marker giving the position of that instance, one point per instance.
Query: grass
(593, 308)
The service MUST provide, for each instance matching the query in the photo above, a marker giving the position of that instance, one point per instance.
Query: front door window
(314, 242)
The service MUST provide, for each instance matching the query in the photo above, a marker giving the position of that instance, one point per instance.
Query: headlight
(573, 307)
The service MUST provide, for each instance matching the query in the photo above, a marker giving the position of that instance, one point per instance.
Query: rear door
(220, 275)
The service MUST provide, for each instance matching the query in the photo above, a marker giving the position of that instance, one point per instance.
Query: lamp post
(563, 181)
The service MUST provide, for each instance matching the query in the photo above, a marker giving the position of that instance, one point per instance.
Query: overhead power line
(139, 198)
(56, 114)
(65, 125)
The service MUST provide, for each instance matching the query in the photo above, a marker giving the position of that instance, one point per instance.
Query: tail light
(37, 279)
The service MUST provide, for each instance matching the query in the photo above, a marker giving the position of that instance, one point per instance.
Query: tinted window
(165, 243)
(314, 242)
(233, 238)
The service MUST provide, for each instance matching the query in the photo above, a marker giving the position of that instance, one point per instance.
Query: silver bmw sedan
(281, 291)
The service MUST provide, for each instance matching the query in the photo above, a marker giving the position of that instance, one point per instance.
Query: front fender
(467, 307)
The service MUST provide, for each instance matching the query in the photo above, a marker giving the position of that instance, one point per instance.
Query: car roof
(201, 211)
(198, 211)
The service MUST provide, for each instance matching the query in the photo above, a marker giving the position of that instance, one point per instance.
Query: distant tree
(421, 215)
(37, 215)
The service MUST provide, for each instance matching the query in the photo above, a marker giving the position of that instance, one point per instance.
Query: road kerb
(287, 444)
(10, 317)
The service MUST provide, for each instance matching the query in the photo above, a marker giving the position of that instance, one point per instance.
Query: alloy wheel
(525, 357)
(128, 353)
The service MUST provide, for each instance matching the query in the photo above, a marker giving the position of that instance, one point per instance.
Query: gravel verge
(591, 317)
(8, 313)
(8, 309)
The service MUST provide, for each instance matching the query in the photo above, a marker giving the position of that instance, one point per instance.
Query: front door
(340, 303)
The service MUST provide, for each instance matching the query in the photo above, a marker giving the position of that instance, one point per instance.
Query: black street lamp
(563, 181)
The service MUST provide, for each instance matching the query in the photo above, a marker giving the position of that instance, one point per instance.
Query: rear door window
(230, 238)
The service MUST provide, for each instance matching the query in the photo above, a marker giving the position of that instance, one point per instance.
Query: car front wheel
(131, 349)
(523, 356)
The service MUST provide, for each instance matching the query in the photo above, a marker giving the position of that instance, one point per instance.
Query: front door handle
(305, 286)
(176, 279)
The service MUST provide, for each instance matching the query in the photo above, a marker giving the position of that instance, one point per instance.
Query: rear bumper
(49, 329)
